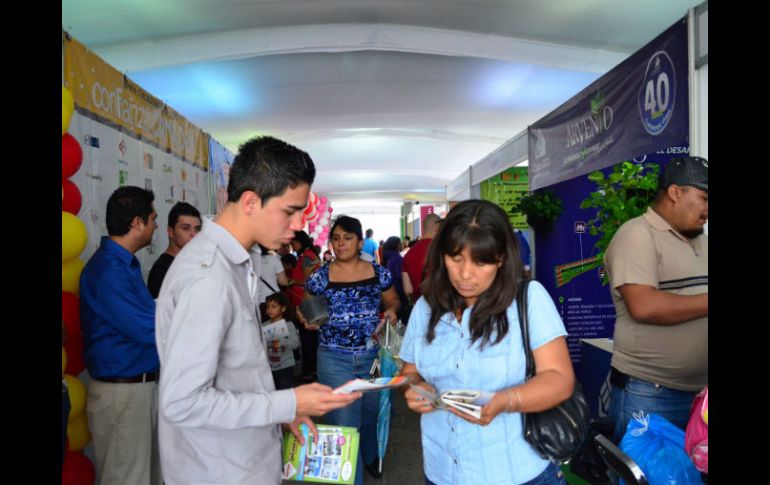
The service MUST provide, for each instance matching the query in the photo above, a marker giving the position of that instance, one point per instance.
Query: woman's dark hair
(348, 224)
(484, 228)
(304, 240)
(393, 243)
(289, 259)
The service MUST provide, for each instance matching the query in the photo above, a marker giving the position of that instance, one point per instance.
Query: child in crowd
(281, 338)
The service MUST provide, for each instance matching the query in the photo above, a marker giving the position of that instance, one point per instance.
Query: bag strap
(268, 284)
(521, 305)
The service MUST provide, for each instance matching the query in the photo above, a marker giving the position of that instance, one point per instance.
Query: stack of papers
(373, 384)
(466, 401)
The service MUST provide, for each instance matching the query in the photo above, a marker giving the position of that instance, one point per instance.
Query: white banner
(112, 159)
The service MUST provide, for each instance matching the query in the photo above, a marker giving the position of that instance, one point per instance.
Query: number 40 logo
(657, 93)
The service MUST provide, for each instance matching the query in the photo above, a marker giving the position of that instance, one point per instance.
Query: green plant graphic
(621, 196)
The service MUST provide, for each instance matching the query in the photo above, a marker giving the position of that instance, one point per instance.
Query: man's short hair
(181, 209)
(268, 166)
(126, 203)
(369, 233)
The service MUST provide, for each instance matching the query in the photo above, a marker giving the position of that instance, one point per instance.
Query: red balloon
(70, 314)
(71, 198)
(308, 209)
(74, 349)
(71, 156)
(77, 470)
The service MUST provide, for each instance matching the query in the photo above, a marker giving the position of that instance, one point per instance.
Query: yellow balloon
(77, 392)
(67, 107)
(73, 236)
(63, 359)
(70, 275)
(77, 432)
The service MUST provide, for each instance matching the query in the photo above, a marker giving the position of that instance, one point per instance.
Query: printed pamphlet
(373, 384)
(331, 460)
(466, 401)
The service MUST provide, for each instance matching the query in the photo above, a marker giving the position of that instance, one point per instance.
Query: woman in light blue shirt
(464, 334)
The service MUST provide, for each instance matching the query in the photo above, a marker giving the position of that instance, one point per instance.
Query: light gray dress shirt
(219, 412)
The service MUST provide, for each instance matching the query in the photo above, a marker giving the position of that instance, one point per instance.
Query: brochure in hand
(373, 384)
(331, 460)
(466, 401)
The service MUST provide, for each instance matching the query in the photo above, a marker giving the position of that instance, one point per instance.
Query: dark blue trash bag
(657, 446)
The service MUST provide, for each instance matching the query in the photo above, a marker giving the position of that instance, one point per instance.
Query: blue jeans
(335, 369)
(552, 475)
(639, 395)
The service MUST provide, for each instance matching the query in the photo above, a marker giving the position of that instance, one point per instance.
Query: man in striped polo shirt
(658, 269)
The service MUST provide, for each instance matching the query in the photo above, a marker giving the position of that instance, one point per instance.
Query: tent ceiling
(391, 98)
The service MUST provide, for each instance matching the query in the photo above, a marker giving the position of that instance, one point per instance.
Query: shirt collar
(118, 251)
(230, 246)
(656, 221)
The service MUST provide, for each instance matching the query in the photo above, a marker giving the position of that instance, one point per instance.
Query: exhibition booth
(650, 108)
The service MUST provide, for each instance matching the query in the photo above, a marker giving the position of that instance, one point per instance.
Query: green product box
(331, 460)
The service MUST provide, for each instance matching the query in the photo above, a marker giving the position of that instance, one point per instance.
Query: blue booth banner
(640, 106)
(566, 263)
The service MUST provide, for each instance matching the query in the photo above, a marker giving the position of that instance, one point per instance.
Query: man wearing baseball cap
(658, 269)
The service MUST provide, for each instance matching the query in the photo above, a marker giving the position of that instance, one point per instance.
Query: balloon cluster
(78, 469)
(317, 215)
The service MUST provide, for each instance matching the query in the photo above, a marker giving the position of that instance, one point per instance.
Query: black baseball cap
(693, 171)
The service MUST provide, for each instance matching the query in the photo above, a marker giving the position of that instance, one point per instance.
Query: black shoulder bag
(556, 434)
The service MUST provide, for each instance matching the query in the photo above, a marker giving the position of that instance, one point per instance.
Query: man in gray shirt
(219, 410)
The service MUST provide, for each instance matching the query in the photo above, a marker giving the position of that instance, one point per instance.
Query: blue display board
(567, 266)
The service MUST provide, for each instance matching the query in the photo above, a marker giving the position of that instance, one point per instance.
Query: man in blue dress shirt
(118, 321)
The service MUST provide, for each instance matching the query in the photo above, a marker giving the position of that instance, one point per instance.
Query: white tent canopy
(392, 99)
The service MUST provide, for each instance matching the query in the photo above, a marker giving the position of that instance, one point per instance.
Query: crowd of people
(193, 373)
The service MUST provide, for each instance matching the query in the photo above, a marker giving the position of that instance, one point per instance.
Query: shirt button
(455, 460)
(453, 429)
